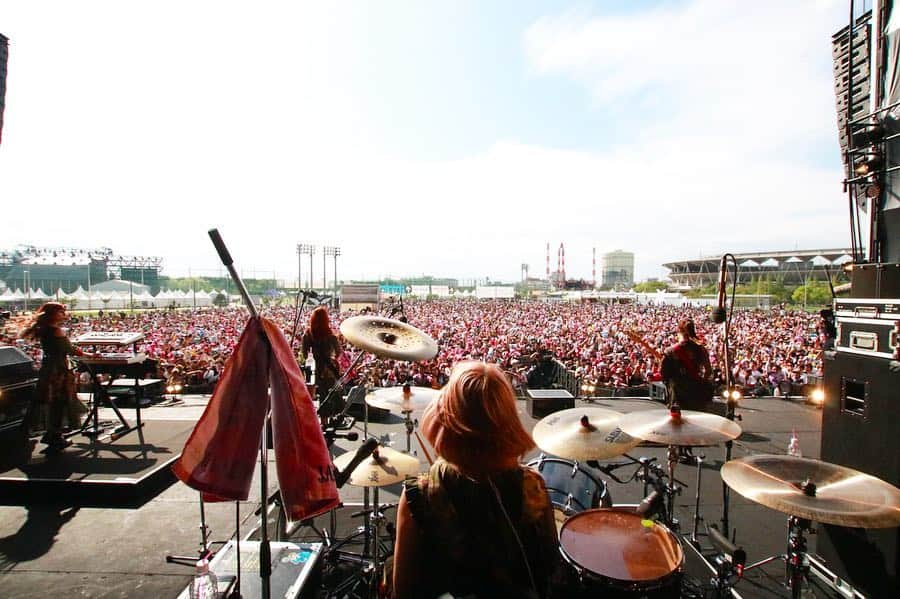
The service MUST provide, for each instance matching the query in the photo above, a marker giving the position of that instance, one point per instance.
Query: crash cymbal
(395, 400)
(388, 338)
(583, 434)
(691, 428)
(384, 467)
(838, 495)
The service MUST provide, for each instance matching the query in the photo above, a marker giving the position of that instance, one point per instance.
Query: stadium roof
(793, 266)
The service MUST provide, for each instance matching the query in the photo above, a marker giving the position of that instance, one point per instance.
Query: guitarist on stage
(687, 372)
(685, 368)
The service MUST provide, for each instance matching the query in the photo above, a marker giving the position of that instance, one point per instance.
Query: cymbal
(583, 434)
(393, 399)
(388, 338)
(384, 467)
(841, 495)
(691, 428)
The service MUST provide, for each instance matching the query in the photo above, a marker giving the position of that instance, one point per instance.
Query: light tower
(330, 250)
(307, 248)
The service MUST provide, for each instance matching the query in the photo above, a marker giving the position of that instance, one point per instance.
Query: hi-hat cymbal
(691, 428)
(394, 399)
(384, 467)
(815, 490)
(583, 434)
(388, 338)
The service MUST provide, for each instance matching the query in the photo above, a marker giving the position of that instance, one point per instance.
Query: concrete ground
(64, 550)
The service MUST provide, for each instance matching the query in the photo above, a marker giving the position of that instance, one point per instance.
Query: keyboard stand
(91, 426)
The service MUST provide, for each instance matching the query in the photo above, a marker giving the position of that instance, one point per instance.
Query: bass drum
(617, 553)
(572, 488)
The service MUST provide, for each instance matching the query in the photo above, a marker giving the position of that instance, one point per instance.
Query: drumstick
(425, 451)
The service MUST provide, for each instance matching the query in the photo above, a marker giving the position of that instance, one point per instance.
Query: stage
(63, 546)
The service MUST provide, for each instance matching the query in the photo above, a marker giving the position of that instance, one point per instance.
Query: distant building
(791, 267)
(617, 268)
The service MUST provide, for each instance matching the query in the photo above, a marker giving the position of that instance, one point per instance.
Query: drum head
(621, 545)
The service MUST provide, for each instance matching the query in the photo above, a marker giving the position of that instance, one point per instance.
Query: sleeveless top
(683, 370)
(472, 550)
(56, 350)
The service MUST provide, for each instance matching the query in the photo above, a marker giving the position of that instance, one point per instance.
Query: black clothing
(688, 376)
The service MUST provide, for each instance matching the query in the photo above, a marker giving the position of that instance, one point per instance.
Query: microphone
(721, 543)
(364, 451)
(309, 293)
(718, 313)
(648, 504)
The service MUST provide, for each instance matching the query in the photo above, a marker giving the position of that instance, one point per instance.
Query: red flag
(220, 455)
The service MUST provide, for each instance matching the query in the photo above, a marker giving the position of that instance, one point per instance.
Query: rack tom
(571, 486)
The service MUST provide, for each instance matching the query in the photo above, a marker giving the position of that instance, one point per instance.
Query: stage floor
(67, 548)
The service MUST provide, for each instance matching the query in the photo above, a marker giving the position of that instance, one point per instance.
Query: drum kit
(635, 550)
(380, 465)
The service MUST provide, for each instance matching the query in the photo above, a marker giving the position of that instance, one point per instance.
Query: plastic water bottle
(794, 445)
(311, 365)
(204, 585)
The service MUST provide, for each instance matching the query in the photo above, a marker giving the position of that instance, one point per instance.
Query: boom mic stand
(730, 401)
(265, 551)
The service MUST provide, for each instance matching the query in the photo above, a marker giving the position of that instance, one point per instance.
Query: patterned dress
(56, 390)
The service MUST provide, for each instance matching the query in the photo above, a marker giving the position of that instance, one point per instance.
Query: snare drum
(615, 552)
(572, 488)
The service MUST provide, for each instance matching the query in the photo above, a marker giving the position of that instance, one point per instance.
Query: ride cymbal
(384, 467)
(690, 428)
(583, 434)
(388, 338)
(395, 400)
(815, 490)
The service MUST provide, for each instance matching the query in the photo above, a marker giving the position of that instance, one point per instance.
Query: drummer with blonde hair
(478, 522)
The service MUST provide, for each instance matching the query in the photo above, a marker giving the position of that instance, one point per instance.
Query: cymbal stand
(672, 488)
(371, 560)
(410, 424)
(698, 459)
(796, 558)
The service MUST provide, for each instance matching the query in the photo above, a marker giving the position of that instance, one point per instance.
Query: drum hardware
(384, 338)
(403, 399)
(811, 490)
(385, 466)
(729, 563)
(678, 428)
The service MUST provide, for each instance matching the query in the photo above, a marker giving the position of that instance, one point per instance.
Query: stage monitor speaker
(15, 365)
(859, 420)
(542, 402)
(875, 281)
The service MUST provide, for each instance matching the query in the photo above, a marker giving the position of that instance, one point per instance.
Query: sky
(452, 139)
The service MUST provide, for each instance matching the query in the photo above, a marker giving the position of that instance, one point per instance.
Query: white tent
(770, 263)
(820, 261)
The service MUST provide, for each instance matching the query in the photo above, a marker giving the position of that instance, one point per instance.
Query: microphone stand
(730, 401)
(265, 551)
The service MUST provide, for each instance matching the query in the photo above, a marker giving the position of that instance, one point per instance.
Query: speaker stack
(859, 430)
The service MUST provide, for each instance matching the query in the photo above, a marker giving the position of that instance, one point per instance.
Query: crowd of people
(593, 340)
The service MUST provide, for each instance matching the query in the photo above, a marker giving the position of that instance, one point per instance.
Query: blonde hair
(474, 424)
